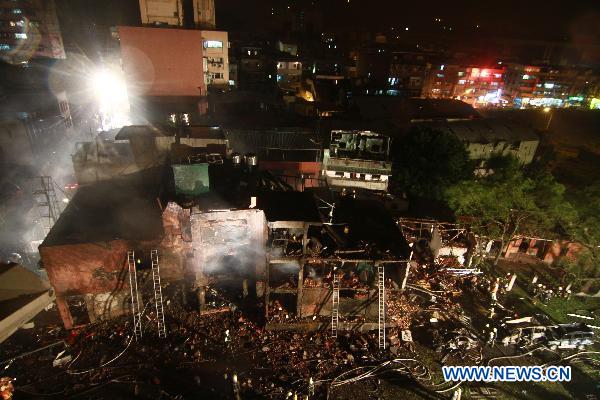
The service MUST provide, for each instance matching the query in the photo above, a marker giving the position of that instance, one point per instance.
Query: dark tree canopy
(427, 162)
(510, 202)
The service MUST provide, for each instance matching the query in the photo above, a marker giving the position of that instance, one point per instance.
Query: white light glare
(111, 96)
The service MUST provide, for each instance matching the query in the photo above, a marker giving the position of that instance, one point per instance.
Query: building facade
(204, 14)
(289, 72)
(487, 137)
(215, 46)
(29, 29)
(175, 13)
(163, 62)
(476, 86)
(357, 160)
(161, 12)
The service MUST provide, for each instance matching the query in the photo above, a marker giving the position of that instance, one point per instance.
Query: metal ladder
(47, 203)
(335, 303)
(160, 313)
(381, 298)
(135, 295)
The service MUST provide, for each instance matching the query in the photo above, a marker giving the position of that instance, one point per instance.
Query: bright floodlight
(110, 93)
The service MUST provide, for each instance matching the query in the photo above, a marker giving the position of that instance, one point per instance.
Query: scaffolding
(135, 296)
(158, 300)
(381, 299)
(335, 305)
(47, 203)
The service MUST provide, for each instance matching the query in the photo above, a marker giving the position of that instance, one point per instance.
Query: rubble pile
(401, 311)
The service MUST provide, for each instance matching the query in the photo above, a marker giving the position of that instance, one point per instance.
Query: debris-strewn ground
(229, 353)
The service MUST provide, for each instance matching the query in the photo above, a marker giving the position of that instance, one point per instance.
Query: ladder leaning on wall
(381, 299)
(335, 299)
(135, 295)
(158, 300)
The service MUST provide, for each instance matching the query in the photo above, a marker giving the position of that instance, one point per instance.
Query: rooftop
(123, 208)
(288, 206)
(410, 109)
(192, 131)
(487, 130)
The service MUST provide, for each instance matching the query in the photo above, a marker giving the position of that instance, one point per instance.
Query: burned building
(358, 159)
(330, 262)
(86, 250)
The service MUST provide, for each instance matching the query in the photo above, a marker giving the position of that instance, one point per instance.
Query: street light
(548, 110)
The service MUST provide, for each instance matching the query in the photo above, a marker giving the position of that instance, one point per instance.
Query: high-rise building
(29, 29)
(204, 14)
(177, 13)
(216, 58)
(162, 12)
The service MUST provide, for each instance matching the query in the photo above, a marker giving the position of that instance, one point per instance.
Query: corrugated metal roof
(486, 130)
(275, 145)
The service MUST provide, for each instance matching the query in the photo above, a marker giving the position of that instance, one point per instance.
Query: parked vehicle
(569, 336)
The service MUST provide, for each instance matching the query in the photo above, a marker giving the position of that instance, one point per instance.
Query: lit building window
(213, 44)
(20, 35)
(4, 47)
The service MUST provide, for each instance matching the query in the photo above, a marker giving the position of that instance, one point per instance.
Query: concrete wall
(231, 242)
(162, 62)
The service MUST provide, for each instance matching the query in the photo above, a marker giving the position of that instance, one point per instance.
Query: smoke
(229, 242)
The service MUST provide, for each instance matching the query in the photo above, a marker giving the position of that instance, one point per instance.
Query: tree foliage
(427, 162)
(586, 229)
(508, 202)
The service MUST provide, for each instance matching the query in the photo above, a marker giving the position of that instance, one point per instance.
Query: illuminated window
(4, 47)
(213, 44)
(20, 35)
(462, 81)
(461, 73)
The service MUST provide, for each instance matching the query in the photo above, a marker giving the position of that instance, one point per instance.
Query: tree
(586, 229)
(428, 161)
(507, 203)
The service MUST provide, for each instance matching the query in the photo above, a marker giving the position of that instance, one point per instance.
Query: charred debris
(211, 277)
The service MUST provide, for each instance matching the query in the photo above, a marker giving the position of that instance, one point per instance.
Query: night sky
(534, 19)
(555, 20)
